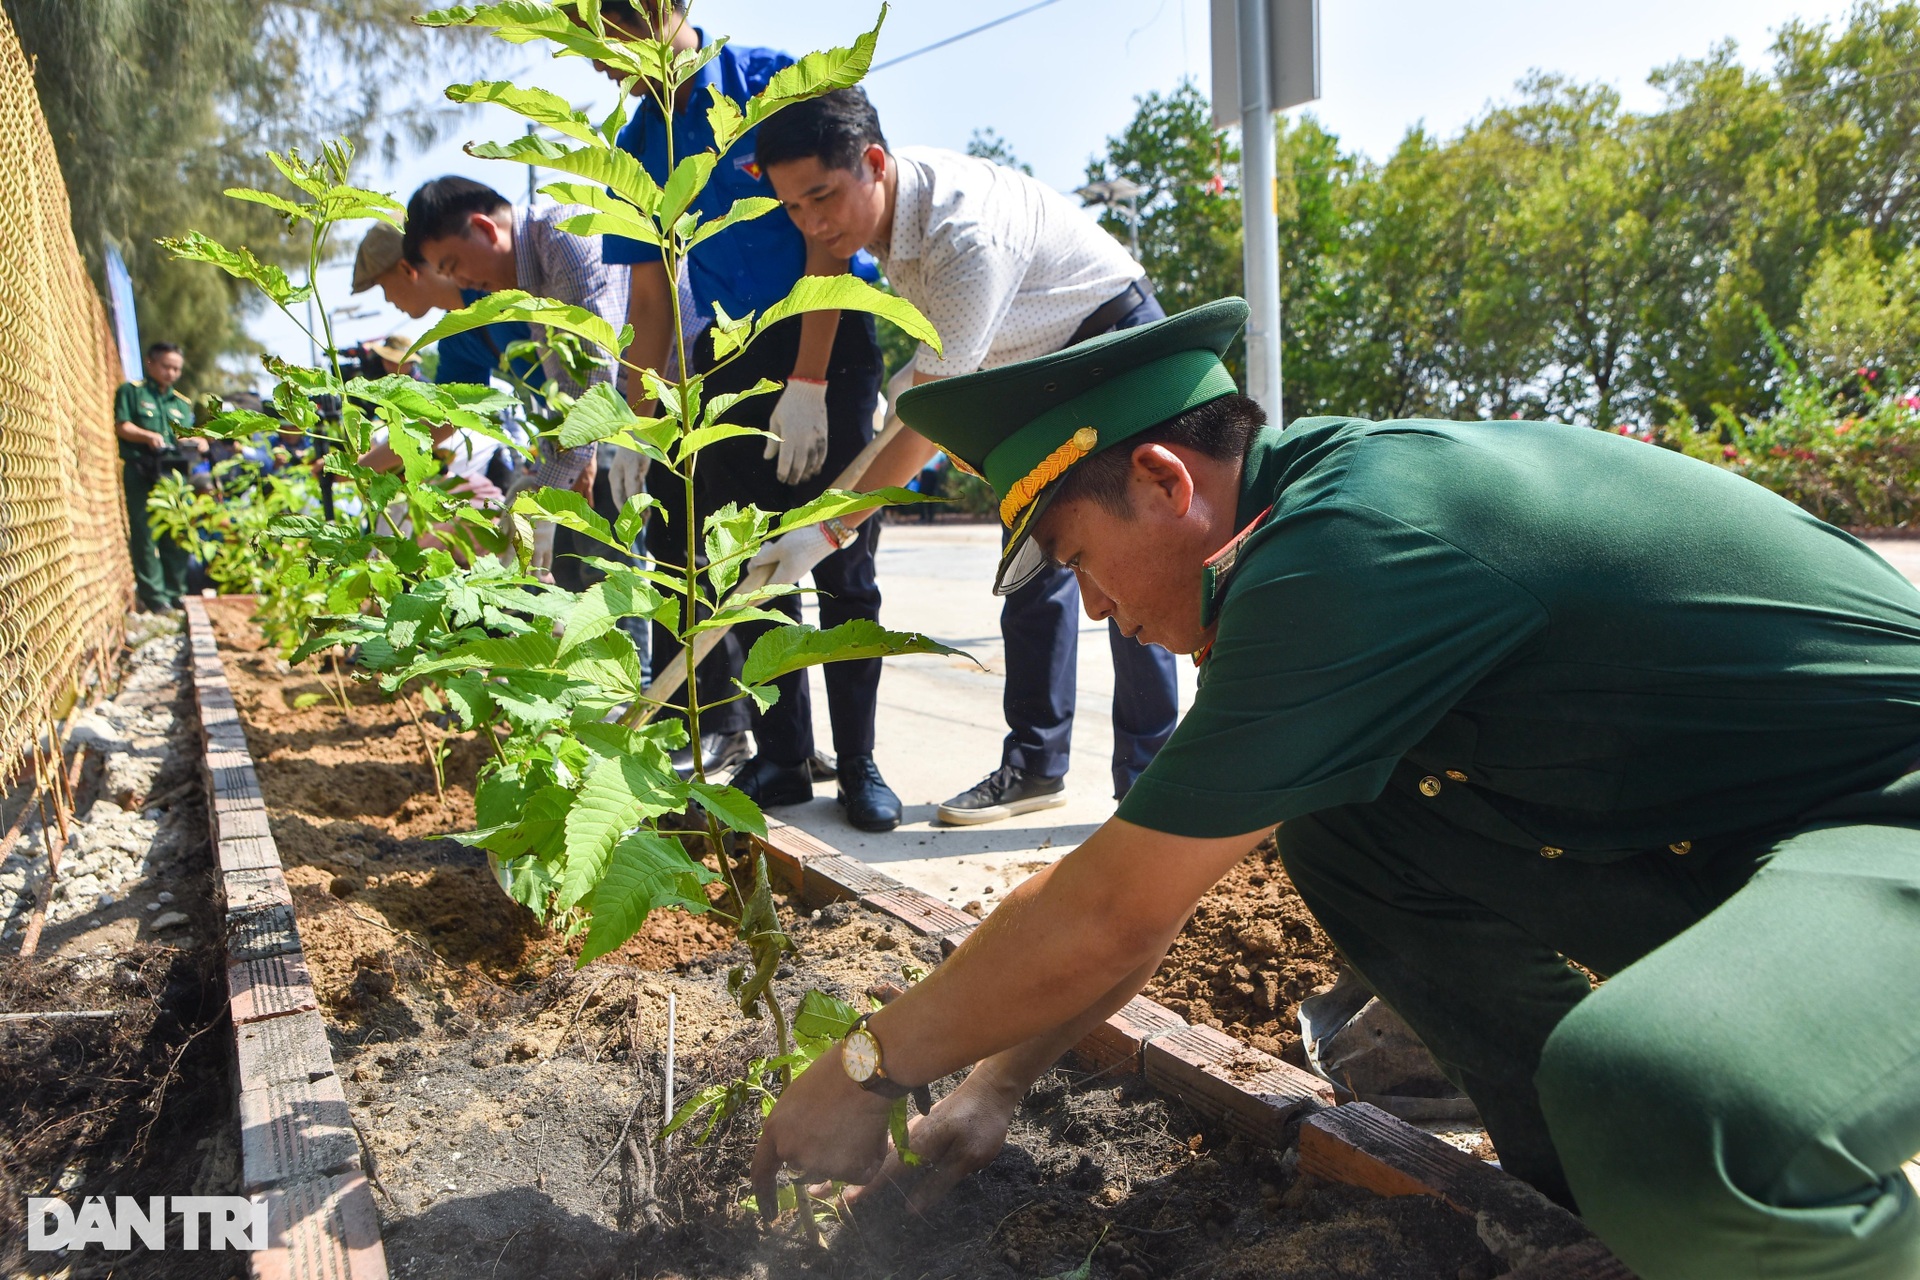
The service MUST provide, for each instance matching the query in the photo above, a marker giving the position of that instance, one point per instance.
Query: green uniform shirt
(144, 405)
(1564, 640)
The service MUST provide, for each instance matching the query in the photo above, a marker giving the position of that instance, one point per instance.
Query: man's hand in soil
(963, 1134)
(826, 1127)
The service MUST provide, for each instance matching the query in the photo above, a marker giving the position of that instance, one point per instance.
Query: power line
(941, 44)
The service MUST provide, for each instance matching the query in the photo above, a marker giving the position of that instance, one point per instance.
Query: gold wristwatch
(860, 1057)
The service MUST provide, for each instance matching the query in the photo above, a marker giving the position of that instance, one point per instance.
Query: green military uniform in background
(1523, 693)
(159, 564)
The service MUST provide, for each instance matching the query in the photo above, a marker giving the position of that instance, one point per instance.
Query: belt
(1112, 312)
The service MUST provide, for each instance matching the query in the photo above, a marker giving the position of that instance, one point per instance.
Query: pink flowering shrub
(1850, 456)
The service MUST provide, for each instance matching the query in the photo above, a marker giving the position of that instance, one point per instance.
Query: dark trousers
(159, 564)
(1736, 1100)
(1040, 625)
(572, 573)
(735, 471)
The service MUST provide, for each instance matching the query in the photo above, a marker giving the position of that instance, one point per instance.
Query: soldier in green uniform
(1516, 694)
(152, 420)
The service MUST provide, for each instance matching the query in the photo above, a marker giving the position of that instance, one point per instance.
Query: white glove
(793, 556)
(800, 422)
(626, 474)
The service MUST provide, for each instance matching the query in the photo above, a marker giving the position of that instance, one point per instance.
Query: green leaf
(617, 795)
(238, 263)
(1085, 1270)
(688, 179)
(599, 608)
(409, 617)
(712, 1095)
(602, 413)
(823, 1017)
(515, 304)
(468, 697)
(793, 648)
(700, 437)
(743, 210)
(632, 520)
(645, 873)
(537, 105)
(609, 662)
(764, 695)
(733, 534)
(811, 76)
(607, 166)
(717, 407)
(765, 941)
(897, 1130)
(305, 700)
(840, 502)
(279, 204)
(733, 807)
(569, 510)
(848, 293)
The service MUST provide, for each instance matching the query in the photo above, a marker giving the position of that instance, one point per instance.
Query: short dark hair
(835, 128)
(441, 208)
(159, 349)
(1219, 429)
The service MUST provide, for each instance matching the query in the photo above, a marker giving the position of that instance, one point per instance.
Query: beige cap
(379, 253)
(393, 350)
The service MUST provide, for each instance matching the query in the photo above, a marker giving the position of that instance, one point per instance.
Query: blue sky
(1058, 82)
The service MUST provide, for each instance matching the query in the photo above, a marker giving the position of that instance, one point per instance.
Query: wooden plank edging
(297, 1141)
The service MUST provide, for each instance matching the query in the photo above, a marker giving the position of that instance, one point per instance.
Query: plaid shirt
(551, 263)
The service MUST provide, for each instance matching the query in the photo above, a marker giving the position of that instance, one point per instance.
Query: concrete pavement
(941, 725)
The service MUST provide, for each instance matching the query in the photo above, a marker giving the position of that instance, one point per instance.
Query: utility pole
(1266, 58)
(1260, 220)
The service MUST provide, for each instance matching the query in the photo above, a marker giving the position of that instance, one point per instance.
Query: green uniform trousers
(1737, 1099)
(159, 564)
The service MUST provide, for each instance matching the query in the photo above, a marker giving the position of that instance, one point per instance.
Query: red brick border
(297, 1141)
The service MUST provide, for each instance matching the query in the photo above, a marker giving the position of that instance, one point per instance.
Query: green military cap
(1022, 426)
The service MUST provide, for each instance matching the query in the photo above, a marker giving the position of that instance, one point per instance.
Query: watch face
(860, 1054)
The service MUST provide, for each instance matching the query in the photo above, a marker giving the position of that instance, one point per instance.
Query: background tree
(157, 106)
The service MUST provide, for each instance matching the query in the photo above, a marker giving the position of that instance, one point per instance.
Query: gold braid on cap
(1051, 468)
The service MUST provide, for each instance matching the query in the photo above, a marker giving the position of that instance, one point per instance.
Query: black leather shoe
(865, 795)
(722, 751)
(768, 784)
(1002, 794)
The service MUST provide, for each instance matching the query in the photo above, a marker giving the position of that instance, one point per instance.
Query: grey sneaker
(1002, 794)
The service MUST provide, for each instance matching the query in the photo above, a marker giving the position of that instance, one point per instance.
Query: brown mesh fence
(65, 579)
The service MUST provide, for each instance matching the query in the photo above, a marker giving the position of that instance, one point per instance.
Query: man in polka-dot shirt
(1007, 269)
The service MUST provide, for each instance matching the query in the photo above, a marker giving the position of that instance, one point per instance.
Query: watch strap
(878, 1082)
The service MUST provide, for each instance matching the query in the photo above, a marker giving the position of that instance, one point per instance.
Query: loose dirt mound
(1249, 956)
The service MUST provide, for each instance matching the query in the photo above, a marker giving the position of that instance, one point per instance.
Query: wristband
(837, 532)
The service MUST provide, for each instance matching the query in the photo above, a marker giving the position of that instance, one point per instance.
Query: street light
(1114, 192)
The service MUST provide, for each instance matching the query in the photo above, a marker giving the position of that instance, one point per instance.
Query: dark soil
(493, 1083)
(140, 1104)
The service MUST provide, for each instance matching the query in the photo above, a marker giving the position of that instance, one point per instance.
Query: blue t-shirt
(472, 357)
(747, 267)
